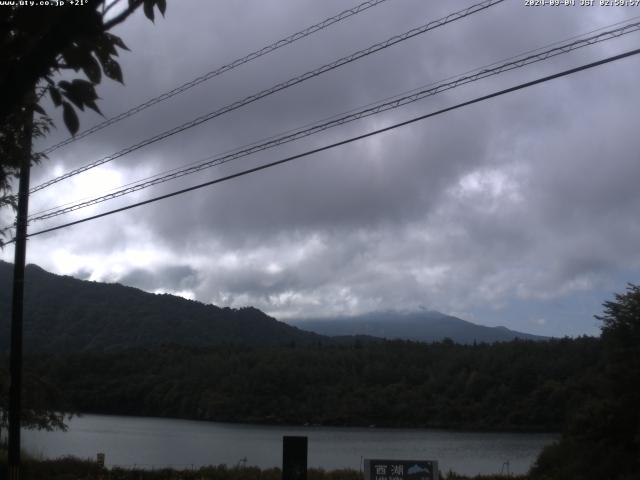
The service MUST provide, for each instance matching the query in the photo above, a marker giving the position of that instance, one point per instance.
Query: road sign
(400, 469)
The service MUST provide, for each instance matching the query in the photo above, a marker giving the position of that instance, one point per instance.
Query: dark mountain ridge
(64, 314)
(421, 326)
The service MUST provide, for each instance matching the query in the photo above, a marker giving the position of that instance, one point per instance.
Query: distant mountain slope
(423, 326)
(64, 314)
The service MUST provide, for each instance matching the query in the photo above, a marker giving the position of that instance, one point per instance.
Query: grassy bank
(70, 468)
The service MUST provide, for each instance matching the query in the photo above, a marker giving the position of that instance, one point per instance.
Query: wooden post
(15, 358)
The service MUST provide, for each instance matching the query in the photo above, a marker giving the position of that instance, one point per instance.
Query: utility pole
(15, 359)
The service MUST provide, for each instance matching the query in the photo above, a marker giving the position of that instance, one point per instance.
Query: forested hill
(520, 385)
(64, 314)
(424, 326)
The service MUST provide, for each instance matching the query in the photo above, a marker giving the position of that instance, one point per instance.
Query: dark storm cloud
(175, 278)
(361, 185)
(82, 274)
(529, 196)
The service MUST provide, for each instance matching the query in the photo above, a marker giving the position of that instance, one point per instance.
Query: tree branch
(106, 8)
(133, 6)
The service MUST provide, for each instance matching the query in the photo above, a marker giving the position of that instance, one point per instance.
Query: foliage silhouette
(38, 45)
(521, 385)
(602, 436)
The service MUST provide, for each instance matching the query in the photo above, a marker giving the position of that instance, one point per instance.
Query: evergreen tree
(602, 440)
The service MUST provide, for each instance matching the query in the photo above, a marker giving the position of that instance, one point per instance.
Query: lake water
(156, 443)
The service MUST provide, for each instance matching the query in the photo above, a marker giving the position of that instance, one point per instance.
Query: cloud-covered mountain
(423, 326)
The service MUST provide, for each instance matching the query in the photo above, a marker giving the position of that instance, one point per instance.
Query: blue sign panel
(400, 469)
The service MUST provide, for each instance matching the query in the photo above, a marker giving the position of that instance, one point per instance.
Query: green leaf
(37, 108)
(162, 6)
(70, 118)
(104, 47)
(104, 54)
(115, 40)
(72, 94)
(75, 57)
(82, 93)
(56, 98)
(148, 9)
(84, 89)
(92, 70)
(112, 70)
(93, 106)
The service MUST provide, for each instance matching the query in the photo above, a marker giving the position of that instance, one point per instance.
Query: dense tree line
(519, 385)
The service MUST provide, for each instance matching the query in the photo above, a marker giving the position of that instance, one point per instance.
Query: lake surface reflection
(155, 443)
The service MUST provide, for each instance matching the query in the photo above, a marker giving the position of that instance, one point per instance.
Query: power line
(373, 110)
(219, 71)
(280, 86)
(391, 97)
(160, 174)
(344, 142)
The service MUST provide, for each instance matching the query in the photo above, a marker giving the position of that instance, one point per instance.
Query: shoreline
(161, 442)
(74, 467)
(255, 423)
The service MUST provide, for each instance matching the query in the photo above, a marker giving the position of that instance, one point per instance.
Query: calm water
(154, 443)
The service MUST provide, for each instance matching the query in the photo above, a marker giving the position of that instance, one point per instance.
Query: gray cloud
(528, 197)
(174, 278)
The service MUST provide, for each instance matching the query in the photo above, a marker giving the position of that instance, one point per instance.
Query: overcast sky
(520, 211)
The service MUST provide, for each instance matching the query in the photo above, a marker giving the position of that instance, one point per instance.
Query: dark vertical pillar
(15, 359)
(294, 458)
